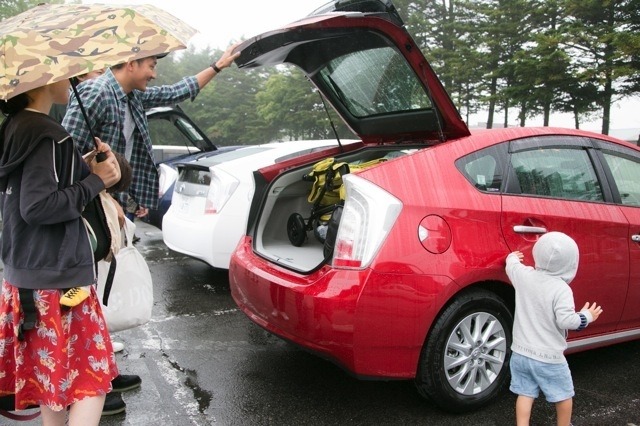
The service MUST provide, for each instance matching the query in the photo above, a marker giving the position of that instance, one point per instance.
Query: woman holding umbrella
(62, 358)
(67, 359)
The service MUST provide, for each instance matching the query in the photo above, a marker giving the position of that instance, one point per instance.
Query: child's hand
(142, 211)
(519, 254)
(594, 309)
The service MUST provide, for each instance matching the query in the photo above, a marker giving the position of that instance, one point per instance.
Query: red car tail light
(368, 216)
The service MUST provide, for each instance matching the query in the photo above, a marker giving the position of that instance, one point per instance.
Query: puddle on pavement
(201, 396)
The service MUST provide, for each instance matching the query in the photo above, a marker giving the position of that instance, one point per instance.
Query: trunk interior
(288, 195)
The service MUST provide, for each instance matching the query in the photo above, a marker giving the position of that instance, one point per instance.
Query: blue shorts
(529, 377)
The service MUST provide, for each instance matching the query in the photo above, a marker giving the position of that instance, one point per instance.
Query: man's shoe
(113, 404)
(125, 382)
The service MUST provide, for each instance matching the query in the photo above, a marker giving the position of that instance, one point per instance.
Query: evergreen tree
(294, 110)
(595, 31)
(445, 33)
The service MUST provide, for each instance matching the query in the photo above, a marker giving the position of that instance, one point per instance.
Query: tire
(296, 229)
(464, 363)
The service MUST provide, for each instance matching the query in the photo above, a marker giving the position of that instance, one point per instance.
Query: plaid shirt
(105, 103)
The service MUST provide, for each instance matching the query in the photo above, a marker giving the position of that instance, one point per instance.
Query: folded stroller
(326, 194)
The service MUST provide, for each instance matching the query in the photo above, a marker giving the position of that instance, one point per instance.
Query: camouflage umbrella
(53, 42)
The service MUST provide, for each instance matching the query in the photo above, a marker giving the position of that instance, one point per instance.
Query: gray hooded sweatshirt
(545, 309)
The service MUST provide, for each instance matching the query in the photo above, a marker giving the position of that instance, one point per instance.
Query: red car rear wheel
(464, 363)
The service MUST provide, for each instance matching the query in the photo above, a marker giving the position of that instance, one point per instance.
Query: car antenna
(335, 132)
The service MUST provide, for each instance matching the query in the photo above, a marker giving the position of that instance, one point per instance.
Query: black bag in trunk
(332, 231)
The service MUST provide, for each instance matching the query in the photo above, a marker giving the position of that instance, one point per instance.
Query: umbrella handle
(74, 82)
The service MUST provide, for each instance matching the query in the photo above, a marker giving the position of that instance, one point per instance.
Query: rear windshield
(231, 155)
(375, 81)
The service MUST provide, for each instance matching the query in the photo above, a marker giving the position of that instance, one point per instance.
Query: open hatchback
(369, 69)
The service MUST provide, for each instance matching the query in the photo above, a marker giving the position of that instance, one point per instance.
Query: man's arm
(225, 61)
(170, 94)
(188, 87)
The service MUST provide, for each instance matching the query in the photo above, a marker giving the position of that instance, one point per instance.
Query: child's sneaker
(74, 296)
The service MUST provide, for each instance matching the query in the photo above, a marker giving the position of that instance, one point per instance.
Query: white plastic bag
(131, 297)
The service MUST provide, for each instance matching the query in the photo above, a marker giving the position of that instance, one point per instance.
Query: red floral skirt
(65, 358)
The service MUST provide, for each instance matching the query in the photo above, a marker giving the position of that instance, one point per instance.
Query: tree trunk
(506, 114)
(523, 114)
(492, 101)
(606, 105)
(546, 113)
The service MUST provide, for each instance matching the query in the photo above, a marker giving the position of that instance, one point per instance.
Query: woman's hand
(108, 170)
(102, 147)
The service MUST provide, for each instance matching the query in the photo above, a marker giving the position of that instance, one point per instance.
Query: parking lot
(203, 362)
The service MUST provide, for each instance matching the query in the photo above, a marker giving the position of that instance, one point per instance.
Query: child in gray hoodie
(545, 311)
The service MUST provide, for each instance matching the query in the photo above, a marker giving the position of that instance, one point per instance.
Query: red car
(401, 276)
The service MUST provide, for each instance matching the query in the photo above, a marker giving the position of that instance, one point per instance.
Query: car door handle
(635, 238)
(521, 229)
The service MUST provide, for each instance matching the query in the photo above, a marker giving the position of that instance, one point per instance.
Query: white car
(212, 196)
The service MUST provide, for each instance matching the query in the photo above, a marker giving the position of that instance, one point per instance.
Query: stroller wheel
(296, 229)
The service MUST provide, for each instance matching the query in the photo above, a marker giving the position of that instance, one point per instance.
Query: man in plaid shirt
(115, 104)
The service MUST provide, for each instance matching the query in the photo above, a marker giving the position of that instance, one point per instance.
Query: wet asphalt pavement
(202, 362)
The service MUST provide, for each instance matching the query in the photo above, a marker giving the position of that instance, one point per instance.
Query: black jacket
(44, 186)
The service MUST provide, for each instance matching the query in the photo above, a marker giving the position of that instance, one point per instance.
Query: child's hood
(557, 254)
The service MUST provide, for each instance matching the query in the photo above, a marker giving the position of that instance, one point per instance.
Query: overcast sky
(220, 21)
(224, 21)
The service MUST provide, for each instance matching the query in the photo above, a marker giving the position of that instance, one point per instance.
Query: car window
(164, 132)
(484, 168)
(626, 174)
(189, 130)
(193, 175)
(375, 81)
(558, 173)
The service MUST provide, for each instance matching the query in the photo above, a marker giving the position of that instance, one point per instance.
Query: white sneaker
(117, 346)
